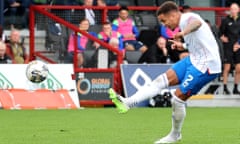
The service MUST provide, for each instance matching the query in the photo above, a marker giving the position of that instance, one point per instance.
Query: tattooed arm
(193, 25)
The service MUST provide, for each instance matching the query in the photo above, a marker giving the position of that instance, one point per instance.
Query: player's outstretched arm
(193, 25)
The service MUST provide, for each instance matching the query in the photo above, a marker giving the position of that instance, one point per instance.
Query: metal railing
(103, 14)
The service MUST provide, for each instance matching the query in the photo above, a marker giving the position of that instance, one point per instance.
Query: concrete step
(216, 98)
(39, 38)
(25, 33)
(215, 101)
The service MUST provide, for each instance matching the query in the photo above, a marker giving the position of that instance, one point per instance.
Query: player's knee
(161, 81)
(153, 88)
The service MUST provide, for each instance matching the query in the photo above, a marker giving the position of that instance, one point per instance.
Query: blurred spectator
(13, 5)
(108, 2)
(102, 3)
(186, 8)
(229, 2)
(1, 34)
(111, 14)
(82, 43)
(126, 26)
(4, 58)
(26, 5)
(64, 13)
(114, 42)
(229, 32)
(167, 33)
(18, 7)
(89, 13)
(112, 2)
(161, 52)
(113, 38)
(16, 49)
(107, 33)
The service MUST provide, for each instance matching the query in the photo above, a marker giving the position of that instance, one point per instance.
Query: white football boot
(170, 138)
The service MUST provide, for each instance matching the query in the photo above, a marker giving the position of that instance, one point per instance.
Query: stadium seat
(95, 28)
(132, 57)
(89, 60)
(139, 22)
(142, 28)
(149, 20)
(137, 19)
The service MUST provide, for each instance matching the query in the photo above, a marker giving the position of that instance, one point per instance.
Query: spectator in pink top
(82, 42)
(126, 26)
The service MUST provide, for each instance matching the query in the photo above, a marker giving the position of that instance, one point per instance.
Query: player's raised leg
(148, 91)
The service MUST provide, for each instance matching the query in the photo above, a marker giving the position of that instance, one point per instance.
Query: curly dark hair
(123, 8)
(167, 7)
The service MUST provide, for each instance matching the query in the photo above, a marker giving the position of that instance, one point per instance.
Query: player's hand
(179, 35)
(15, 4)
(236, 46)
(176, 45)
(96, 45)
(224, 39)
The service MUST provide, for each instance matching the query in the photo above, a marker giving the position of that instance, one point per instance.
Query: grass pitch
(106, 126)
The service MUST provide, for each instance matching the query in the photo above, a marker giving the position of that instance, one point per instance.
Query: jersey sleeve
(135, 29)
(115, 25)
(120, 38)
(79, 43)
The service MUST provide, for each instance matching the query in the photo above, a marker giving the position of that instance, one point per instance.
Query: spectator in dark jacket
(229, 34)
(4, 58)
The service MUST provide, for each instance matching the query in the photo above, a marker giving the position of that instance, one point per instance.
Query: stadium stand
(144, 24)
(127, 2)
(149, 20)
(145, 2)
(57, 40)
